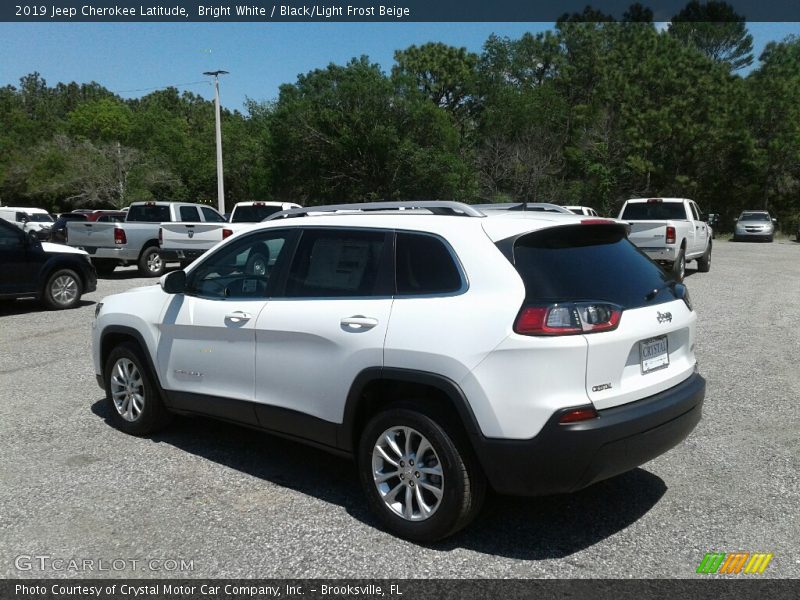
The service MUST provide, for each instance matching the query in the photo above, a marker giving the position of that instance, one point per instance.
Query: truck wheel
(134, 403)
(419, 480)
(679, 266)
(150, 263)
(704, 262)
(104, 266)
(62, 290)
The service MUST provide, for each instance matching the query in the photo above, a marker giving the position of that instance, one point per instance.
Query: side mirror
(774, 221)
(173, 282)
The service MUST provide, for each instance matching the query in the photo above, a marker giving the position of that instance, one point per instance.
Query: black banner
(361, 10)
(439, 589)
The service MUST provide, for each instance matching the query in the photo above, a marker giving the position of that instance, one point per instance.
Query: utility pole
(220, 182)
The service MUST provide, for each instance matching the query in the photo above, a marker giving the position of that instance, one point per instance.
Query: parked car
(58, 233)
(34, 220)
(713, 222)
(754, 225)
(583, 210)
(671, 231)
(107, 216)
(346, 330)
(524, 206)
(136, 239)
(255, 212)
(56, 275)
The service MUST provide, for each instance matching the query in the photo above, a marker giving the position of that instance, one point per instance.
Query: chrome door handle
(237, 316)
(359, 322)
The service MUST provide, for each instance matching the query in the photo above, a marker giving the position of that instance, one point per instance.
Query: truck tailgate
(190, 236)
(648, 234)
(90, 235)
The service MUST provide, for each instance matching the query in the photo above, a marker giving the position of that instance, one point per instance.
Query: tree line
(591, 112)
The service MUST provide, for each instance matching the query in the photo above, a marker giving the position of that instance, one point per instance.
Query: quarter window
(212, 216)
(337, 263)
(425, 266)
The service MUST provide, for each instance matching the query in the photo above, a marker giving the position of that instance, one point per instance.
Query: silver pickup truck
(671, 231)
(135, 241)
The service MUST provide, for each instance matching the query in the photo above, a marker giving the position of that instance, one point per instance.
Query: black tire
(463, 484)
(704, 262)
(679, 266)
(150, 263)
(62, 290)
(152, 415)
(258, 261)
(104, 266)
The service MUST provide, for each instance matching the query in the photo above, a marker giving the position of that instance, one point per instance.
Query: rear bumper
(667, 254)
(169, 255)
(121, 254)
(566, 458)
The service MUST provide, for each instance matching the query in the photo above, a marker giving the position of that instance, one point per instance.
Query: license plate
(654, 354)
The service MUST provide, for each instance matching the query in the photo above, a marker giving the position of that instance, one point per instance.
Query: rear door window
(340, 263)
(424, 265)
(654, 211)
(588, 262)
(189, 214)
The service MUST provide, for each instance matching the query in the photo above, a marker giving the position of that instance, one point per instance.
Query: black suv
(56, 275)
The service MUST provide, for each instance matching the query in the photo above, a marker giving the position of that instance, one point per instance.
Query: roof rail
(436, 207)
(532, 206)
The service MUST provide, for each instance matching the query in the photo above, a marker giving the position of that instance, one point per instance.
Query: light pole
(220, 182)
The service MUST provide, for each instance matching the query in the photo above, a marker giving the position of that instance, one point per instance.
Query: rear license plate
(654, 354)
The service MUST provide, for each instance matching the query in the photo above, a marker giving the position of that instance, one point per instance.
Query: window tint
(337, 262)
(253, 213)
(588, 262)
(189, 213)
(148, 213)
(425, 266)
(212, 216)
(243, 269)
(654, 211)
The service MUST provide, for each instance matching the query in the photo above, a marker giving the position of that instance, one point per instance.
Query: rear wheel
(679, 266)
(134, 402)
(62, 290)
(704, 262)
(420, 480)
(150, 263)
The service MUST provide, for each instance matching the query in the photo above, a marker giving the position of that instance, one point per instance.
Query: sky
(133, 59)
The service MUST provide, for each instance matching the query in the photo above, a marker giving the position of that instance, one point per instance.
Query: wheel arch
(114, 335)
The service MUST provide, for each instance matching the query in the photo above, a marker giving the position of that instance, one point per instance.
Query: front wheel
(679, 266)
(62, 290)
(150, 263)
(420, 481)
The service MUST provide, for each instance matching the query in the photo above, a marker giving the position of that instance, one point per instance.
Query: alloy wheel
(64, 289)
(127, 389)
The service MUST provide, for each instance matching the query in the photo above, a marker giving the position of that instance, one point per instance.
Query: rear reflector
(120, 237)
(575, 415)
(670, 234)
(226, 233)
(567, 318)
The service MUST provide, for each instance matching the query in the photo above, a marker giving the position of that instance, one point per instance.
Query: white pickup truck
(671, 231)
(135, 241)
(184, 242)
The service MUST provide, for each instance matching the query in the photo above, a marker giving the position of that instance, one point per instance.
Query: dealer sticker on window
(654, 354)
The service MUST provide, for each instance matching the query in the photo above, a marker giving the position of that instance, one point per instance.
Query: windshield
(253, 214)
(754, 217)
(588, 262)
(148, 213)
(654, 211)
(35, 217)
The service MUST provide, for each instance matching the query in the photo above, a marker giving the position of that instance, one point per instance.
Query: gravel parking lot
(238, 503)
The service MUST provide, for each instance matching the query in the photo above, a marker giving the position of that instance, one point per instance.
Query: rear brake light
(120, 237)
(226, 233)
(654, 200)
(596, 221)
(583, 413)
(160, 236)
(567, 318)
(670, 234)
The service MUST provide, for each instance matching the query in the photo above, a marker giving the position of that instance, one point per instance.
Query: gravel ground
(238, 503)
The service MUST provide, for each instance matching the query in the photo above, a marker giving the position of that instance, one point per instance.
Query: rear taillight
(584, 413)
(596, 221)
(120, 237)
(567, 318)
(226, 233)
(670, 234)
(160, 236)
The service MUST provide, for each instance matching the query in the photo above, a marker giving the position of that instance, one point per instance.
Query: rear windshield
(654, 211)
(754, 217)
(253, 214)
(588, 262)
(148, 213)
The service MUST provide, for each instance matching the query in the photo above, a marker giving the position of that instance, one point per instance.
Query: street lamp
(220, 183)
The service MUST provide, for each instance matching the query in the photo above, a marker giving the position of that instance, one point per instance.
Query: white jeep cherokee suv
(443, 349)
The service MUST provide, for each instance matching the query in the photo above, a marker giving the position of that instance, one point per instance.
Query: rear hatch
(190, 236)
(590, 280)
